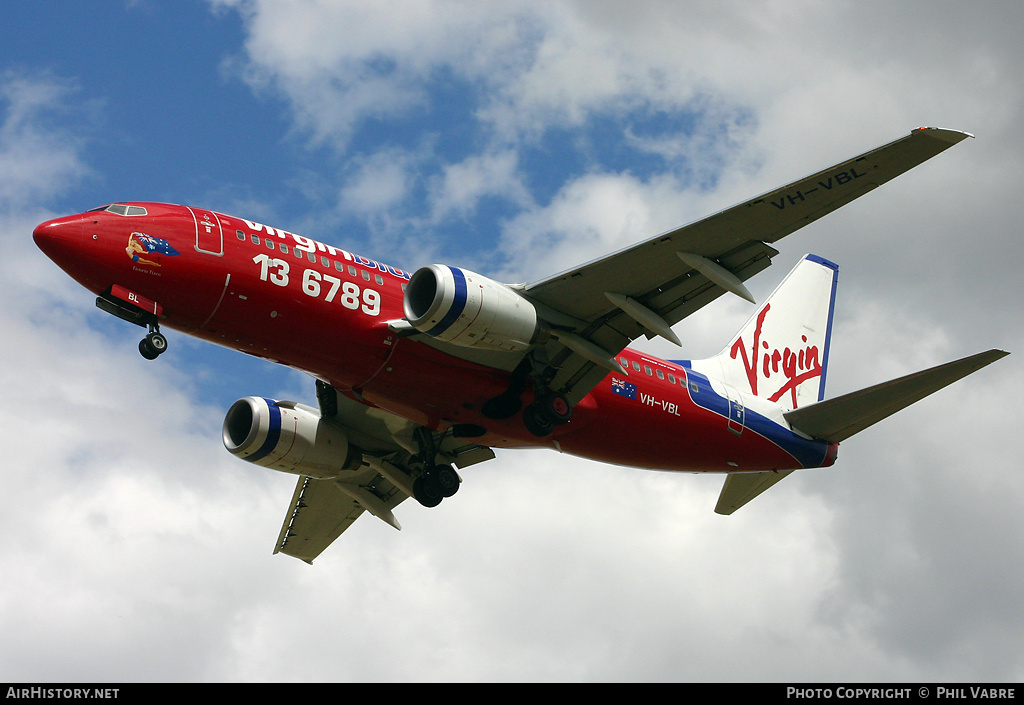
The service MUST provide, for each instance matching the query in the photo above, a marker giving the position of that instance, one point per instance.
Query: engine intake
(289, 437)
(467, 309)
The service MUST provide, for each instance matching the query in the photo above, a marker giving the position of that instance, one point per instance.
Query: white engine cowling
(467, 309)
(289, 437)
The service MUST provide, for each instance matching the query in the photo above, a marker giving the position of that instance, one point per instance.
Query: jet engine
(467, 309)
(289, 437)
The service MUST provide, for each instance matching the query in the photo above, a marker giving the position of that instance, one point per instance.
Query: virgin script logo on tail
(766, 365)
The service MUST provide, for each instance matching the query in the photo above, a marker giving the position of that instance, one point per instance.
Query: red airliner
(418, 375)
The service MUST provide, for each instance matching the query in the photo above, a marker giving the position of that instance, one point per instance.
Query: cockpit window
(121, 209)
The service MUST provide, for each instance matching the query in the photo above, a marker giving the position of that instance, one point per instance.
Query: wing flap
(575, 375)
(317, 515)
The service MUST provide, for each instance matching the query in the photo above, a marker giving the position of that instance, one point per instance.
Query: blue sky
(169, 107)
(515, 139)
(134, 73)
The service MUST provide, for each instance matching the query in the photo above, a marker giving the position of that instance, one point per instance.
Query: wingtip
(944, 134)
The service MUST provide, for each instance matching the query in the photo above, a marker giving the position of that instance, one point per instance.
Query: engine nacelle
(288, 437)
(467, 309)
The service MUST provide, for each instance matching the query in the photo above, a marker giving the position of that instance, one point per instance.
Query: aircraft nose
(57, 235)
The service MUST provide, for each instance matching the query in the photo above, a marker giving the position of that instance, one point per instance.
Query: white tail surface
(781, 353)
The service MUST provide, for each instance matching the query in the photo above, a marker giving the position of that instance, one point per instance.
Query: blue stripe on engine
(273, 433)
(458, 304)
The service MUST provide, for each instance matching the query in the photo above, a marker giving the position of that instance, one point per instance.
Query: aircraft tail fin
(837, 419)
(781, 353)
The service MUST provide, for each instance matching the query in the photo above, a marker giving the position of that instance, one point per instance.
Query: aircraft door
(737, 412)
(209, 232)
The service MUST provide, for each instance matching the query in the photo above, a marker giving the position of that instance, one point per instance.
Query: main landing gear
(437, 480)
(154, 344)
(549, 409)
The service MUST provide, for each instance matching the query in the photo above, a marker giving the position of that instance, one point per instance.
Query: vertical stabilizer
(781, 353)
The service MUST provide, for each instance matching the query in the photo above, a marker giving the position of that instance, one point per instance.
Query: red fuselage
(320, 309)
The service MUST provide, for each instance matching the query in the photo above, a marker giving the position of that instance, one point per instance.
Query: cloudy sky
(515, 139)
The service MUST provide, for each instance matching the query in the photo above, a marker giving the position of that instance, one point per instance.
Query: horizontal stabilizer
(835, 420)
(740, 488)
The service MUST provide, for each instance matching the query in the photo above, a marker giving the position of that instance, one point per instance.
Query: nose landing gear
(135, 308)
(153, 345)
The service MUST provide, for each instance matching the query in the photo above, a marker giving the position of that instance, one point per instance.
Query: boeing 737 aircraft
(421, 375)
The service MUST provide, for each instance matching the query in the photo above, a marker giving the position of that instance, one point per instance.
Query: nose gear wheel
(153, 345)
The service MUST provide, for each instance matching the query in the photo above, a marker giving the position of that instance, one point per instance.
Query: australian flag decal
(155, 244)
(623, 388)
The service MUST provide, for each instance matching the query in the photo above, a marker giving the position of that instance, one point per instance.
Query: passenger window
(284, 247)
(240, 235)
(255, 239)
(351, 271)
(661, 375)
(366, 275)
(339, 266)
(269, 243)
(379, 279)
(324, 261)
(671, 378)
(311, 257)
(636, 365)
(647, 369)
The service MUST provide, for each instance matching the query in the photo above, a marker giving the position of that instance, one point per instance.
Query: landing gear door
(209, 232)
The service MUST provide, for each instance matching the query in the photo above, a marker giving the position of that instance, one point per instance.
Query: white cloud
(380, 182)
(341, 62)
(33, 153)
(459, 189)
(596, 213)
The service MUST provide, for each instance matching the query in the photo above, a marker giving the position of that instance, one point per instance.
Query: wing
(595, 310)
(321, 510)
